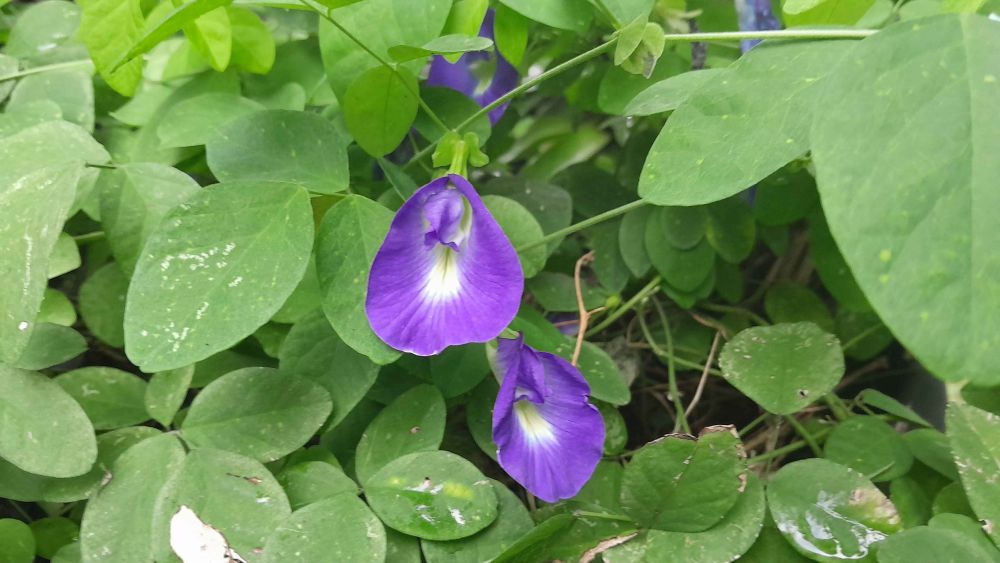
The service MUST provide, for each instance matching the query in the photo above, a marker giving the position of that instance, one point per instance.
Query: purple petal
(459, 76)
(446, 273)
(549, 437)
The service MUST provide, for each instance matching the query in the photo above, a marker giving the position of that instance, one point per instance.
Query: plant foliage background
(781, 254)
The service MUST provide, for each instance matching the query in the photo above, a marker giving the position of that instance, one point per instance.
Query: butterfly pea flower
(548, 435)
(445, 274)
(460, 76)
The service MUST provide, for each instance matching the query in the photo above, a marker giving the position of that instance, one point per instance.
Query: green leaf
(102, 304)
(791, 303)
(217, 268)
(71, 90)
(680, 227)
(824, 12)
(609, 265)
(134, 199)
(571, 15)
(313, 481)
(627, 10)
(865, 333)
(379, 108)
(281, 146)
(869, 446)
(313, 350)
(348, 239)
(879, 400)
(770, 547)
(201, 119)
(118, 521)
(510, 31)
(740, 126)
(933, 449)
(530, 545)
(631, 241)
(670, 93)
(458, 369)
(257, 412)
(211, 35)
(829, 512)
(235, 495)
(551, 205)
(629, 38)
(833, 271)
(968, 528)
(52, 533)
(725, 541)
(65, 256)
(51, 345)
(975, 442)
(444, 45)
(253, 46)
(56, 309)
(45, 431)
(466, 17)
(643, 59)
(731, 229)
(601, 372)
(784, 367)
(785, 197)
(521, 228)
(109, 28)
(381, 24)
(45, 33)
(412, 423)
(36, 205)
(432, 495)
(166, 393)
(306, 535)
(157, 31)
(680, 484)
(905, 202)
(453, 108)
(17, 544)
(931, 544)
(685, 270)
(512, 522)
(112, 398)
(556, 292)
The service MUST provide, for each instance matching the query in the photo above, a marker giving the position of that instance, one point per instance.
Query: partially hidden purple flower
(459, 76)
(755, 15)
(445, 274)
(549, 437)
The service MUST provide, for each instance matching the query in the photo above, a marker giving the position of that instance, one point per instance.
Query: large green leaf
(17, 544)
(379, 107)
(51, 345)
(975, 442)
(109, 28)
(932, 544)
(234, 494)
(283, 146)
(348, 239)
(740, 125)
(44, 430)
(313, 350)
(512, 522)
(340, 528)
(869, 446)
(216, 270)
(71, 90)
(572, 15)
(433, 495)
(829, 512)
(784, 367)
(112, 398)
(908, 202)
(380, 24)
(680, 484)
(257, 412)
(35, 206)
(312, 481)
(412, 423)
(118, 522)
(200, 119)
(725, 541)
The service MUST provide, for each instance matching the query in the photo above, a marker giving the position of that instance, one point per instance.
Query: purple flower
(755, 15)
(459, 76)
(548, 436)
(445, 274)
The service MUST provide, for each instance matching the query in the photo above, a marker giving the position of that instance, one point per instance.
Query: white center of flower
(443, 279)
(536, 428)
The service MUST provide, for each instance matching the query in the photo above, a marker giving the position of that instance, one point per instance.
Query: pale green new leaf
(109, 28)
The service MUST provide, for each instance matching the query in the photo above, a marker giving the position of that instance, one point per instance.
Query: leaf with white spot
(975, 443)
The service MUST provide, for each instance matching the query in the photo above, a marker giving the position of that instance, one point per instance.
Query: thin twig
(649, 289)
(704, 375)
(584, 315)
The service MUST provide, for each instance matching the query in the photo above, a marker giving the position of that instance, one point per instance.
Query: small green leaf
(212, 37)
(975, 442)
(312, 481)
(869, 446)
(631, 241)
(521, 228)
(257, 412)
(45, 432)
(109, 28)
(201, 119)
(166, 393)
(771, 547)
(314, 351)
(685, 270)
(933, 449)
(791, 303)
(157, 31)
(433, 495)
(680, 484)
(253, 46)
(348, 239)
(71, 90)
(601, 372)
(669, 94)
(51, 345)
(112, 398)
(571, 15)
(680, 227)
(379, 108)
(629, 38)
(102, 304)
(731, 229)
(784, 367)
(56, 309)
(879, 400)
(412, 423)
(829, 512)
(281, 146)
(219, 267)
(65, 257)
(306, 535)
(17, 544)
(458, 369)
(512, 522)
(931, 544)
(510, 31)
(52, 533)
(444, 45)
